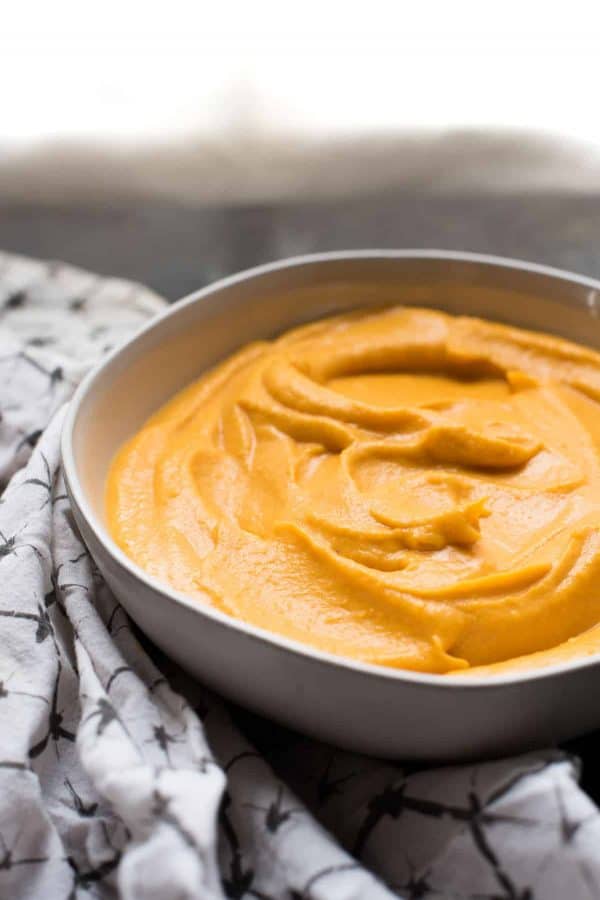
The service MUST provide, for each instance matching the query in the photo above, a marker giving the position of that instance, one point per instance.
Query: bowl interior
(192, 336)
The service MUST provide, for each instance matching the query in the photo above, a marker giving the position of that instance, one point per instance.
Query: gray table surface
(176, 249)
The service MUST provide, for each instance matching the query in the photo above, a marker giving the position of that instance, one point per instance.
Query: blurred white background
(230, 101)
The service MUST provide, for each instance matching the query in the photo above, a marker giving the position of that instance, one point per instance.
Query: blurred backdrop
(175, 142)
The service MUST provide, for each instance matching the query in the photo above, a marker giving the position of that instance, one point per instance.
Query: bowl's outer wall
(380, 716)
(344, 705)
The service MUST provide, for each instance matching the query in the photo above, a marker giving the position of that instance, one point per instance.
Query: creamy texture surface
(402, 487)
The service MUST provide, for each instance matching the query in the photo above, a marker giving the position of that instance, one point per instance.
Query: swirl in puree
(402, 487)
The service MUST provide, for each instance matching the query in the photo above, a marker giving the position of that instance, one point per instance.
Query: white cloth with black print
(121, 777)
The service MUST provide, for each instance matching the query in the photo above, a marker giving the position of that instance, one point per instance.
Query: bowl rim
(425, 680)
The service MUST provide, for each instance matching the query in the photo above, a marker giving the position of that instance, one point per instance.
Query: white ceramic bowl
(368, 708)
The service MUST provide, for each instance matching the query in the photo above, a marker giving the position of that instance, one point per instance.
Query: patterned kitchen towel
(121, 777)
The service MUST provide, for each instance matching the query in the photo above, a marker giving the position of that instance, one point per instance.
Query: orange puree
(402, 487)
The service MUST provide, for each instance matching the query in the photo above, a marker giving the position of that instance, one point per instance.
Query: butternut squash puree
(402, 487)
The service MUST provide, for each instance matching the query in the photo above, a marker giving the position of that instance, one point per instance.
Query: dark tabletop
(176, 249)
